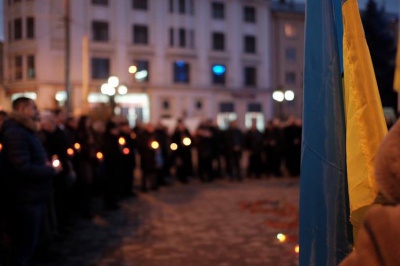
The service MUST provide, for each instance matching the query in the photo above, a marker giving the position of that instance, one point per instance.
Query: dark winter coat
(27, 175)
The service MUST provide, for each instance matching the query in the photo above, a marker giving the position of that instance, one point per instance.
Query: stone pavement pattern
(195, 224)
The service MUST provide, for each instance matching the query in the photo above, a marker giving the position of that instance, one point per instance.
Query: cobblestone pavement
(221, 223)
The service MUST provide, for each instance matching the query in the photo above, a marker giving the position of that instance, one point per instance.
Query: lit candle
(173, 146)
(99, 156)
(186, 141)
(154, 144)
(125, 151)
(77, 146)
(121, 141)
(281, 237)
(70, 152)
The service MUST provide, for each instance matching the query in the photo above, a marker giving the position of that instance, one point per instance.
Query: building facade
(287, 35)
(189, 59)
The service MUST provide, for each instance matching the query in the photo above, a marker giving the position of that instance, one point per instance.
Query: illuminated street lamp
(280, 96)
(111, 88)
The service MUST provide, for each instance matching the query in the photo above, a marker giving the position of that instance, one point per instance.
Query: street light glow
(289, 95)
(278, 96)
(113, 81)
(132, 69)
(122, 89)
(141, 75)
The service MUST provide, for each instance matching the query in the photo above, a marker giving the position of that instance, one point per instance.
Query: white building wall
(49, 49)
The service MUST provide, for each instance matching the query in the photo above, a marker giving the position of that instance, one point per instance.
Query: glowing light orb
(99, 156)
(121, 141)
(77, 146)
(154, 144)
(70, 151)
(186, 141)
(125, 151)
(281, 237)
(173, 146)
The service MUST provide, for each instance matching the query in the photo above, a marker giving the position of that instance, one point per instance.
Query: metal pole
(67, 57)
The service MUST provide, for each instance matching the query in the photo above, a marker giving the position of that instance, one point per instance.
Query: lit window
(290, 30)
(181, 72)
(218, 74)
(142, 71)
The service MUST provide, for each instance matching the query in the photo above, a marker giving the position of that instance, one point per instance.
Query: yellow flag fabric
(396, 82)
(365, 122)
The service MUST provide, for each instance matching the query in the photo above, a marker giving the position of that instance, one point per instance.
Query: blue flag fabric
(325, 233)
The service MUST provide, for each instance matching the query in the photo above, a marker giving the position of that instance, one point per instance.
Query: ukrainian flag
(342, 129)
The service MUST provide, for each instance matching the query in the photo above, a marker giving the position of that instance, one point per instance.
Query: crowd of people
(53, 166)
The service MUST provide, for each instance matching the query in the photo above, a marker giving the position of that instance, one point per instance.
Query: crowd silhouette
(112, 161)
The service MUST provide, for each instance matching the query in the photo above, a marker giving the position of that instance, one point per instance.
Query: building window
(100, 68)
(18, 29)
(140, 34)
(290, 54)
(198, 105)
(182, 6)
(218, 41)
(250, 76)
(254, 108)
(218, 74)
(30, 28)
(226, 107)
(31, 73)
(165, 105)
(182, 38)
(100, 31)
(181, 72)
(100, 2)
(191, 7)
(290, 78)
(290, 30)
(249, 14)
(171, 6)
(139, 4)
(142, 71)
(10, 32)
(18, 68)
(191, 39)
(218, 10)
(250, 44)
(171, 37)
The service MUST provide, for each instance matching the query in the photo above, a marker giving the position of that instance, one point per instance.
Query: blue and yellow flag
(324, 230)
(365, 121)
(342, 129)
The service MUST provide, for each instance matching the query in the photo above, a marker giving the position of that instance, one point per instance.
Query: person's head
(112, 128)
(48, 121)
(26, 107)
(61, 116)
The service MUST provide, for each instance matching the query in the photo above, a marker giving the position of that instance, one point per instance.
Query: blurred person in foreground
(27, 179)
